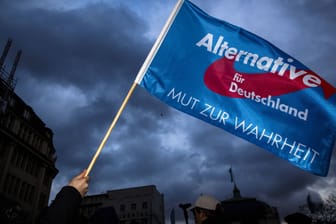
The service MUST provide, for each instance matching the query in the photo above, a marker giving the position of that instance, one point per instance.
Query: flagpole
(137, 80)
(158, 42)
(102, 144)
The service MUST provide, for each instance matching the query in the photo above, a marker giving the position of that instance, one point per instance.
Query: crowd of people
(65, 207)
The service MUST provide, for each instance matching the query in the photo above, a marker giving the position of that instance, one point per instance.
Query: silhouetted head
(204, 207)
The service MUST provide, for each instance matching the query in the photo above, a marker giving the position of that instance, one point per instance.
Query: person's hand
(81, 183)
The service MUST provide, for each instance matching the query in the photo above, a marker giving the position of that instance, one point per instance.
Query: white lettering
(264, 63)
(206, 42)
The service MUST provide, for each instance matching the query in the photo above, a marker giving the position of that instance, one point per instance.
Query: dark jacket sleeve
(64, 208)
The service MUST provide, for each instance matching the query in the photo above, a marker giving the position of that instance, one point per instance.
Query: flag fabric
(237, 81)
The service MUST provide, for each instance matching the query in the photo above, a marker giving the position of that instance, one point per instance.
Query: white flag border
(158, 42)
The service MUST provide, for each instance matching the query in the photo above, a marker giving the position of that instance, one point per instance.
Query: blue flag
(237, 81)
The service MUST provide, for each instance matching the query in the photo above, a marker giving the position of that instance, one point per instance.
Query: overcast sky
(79, 61)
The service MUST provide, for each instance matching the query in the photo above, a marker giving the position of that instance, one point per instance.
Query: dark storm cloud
(60, 45)
(79, 48)
(78, 64)
(316, 48)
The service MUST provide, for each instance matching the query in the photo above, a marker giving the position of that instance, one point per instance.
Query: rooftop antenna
(5, 52)
(236, 191)
(11, 80)
(7, 78)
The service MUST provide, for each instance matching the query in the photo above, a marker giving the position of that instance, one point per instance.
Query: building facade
(246, 210)
(142, 205)
(249, 211)
(27, 153)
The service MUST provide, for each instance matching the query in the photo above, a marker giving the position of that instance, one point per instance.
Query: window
(144, 205)
(6, 184)
(133, 206)
(122, 207)
(42, 200)
(11, 101)
(14, 156)
(26, 114)
(3, 105)
(22, 190)
(46, 180)
(31, 194)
